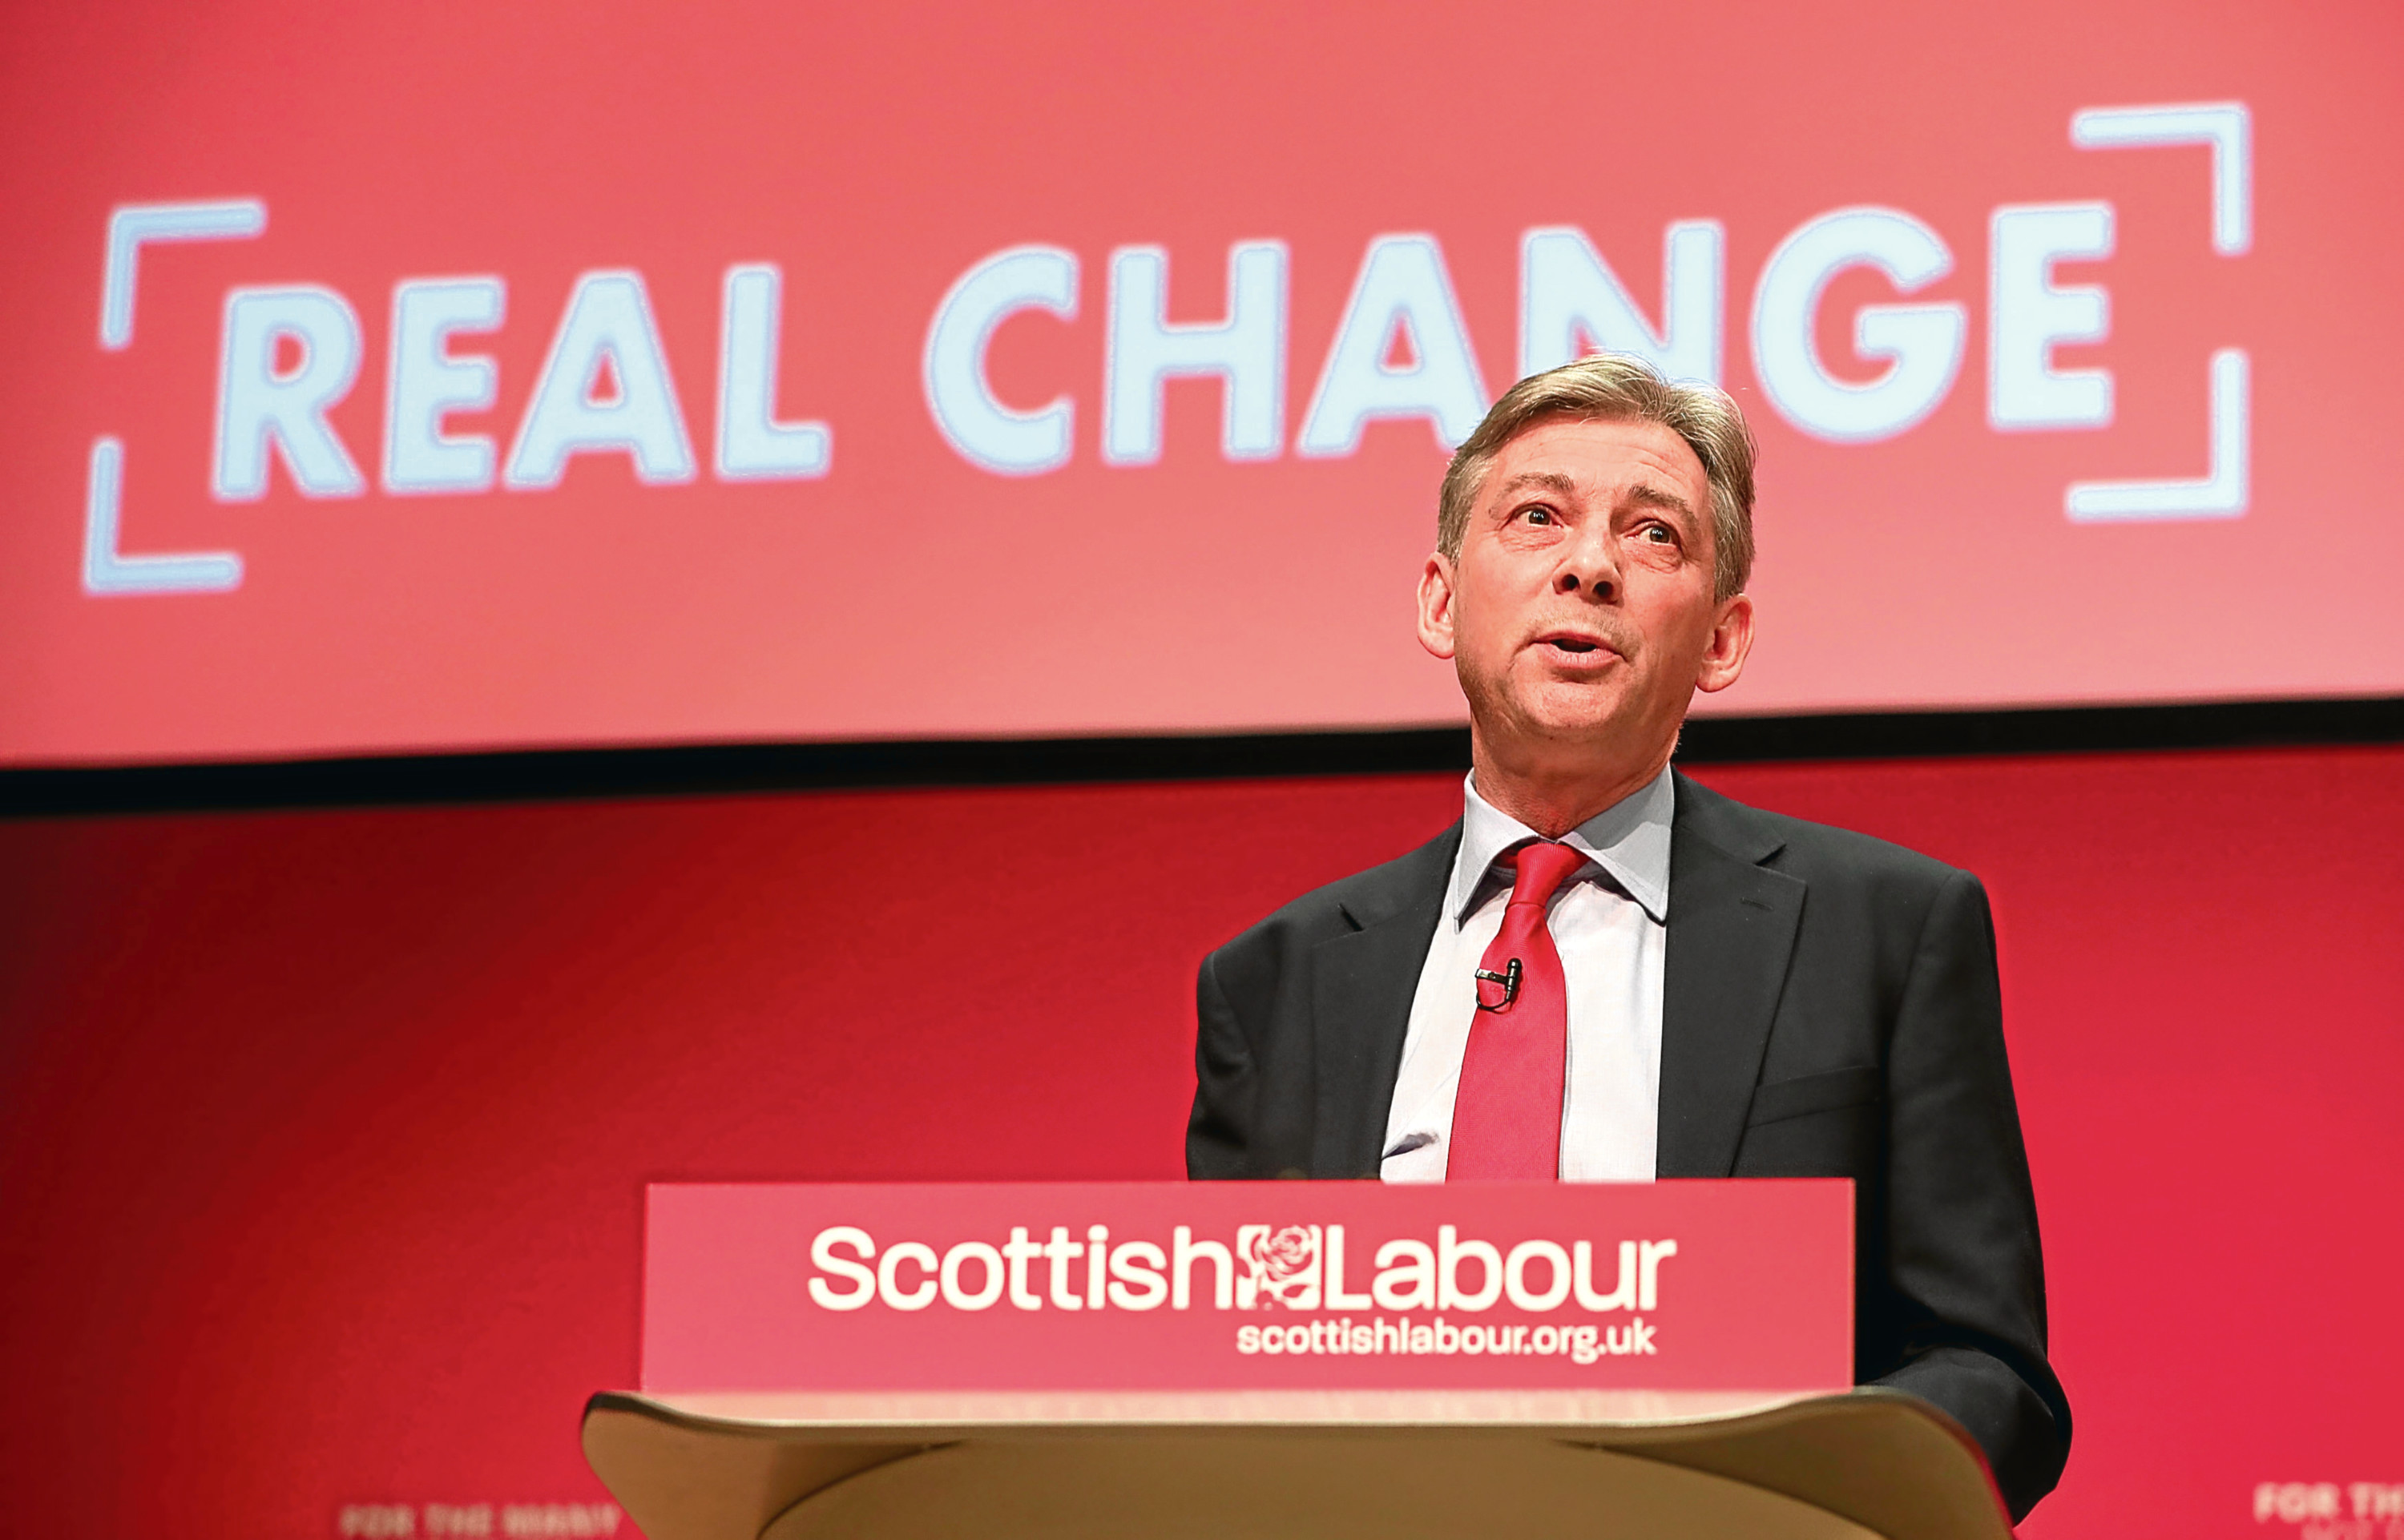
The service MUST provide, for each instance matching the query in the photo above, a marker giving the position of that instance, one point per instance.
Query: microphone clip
(1510, 981)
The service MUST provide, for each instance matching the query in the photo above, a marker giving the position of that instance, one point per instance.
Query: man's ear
(1731, 644)
(1435, 605)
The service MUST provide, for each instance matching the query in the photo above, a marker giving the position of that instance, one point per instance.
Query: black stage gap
(543, 775)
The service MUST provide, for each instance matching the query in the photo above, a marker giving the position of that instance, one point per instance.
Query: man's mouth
(1570, 646)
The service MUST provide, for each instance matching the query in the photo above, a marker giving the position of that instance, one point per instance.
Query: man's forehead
(1584, 455)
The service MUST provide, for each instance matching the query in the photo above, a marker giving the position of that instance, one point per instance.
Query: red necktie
(1506, 1118)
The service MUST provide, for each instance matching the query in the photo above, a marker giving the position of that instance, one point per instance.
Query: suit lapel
(1362, 986)
(1732, 930)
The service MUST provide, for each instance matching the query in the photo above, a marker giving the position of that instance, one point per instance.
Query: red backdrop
(324, 1133)
(879, 154)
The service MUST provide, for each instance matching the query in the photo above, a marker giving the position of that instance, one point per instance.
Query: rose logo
(1279, 1266)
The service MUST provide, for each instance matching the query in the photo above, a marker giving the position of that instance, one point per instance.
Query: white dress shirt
(1609, 923)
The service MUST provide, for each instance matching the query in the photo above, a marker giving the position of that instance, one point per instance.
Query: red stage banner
(1673, 1285)
(442, 376)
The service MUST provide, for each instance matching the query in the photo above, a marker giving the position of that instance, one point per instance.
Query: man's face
(1580, 613)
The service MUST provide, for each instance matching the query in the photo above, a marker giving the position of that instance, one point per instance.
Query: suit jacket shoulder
(1870, 902)
(1810, 849)
(1864, 902)
(1341, 907)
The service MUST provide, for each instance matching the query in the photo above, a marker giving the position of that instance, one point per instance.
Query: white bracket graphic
(2228, 128)
(2220, 494)
(130, 226)
(106, 572)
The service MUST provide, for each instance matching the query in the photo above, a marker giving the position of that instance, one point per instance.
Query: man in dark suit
(1606, 972)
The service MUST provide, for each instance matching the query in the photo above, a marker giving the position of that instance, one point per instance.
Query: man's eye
(1537, 515)
(1660, 534)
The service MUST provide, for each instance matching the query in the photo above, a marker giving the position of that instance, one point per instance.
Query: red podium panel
(1250, 1286)
(1286, 1361)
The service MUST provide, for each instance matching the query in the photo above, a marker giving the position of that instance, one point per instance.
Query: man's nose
(1589, 565)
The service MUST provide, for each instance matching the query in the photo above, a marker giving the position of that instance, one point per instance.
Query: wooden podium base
(1292, 1467)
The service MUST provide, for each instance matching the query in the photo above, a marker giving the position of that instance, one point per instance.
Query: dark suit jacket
(1829, 1008)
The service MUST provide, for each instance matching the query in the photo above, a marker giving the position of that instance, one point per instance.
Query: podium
(1505, 1363)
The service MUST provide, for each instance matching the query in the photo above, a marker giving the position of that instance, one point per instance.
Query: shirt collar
(1629, 840)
